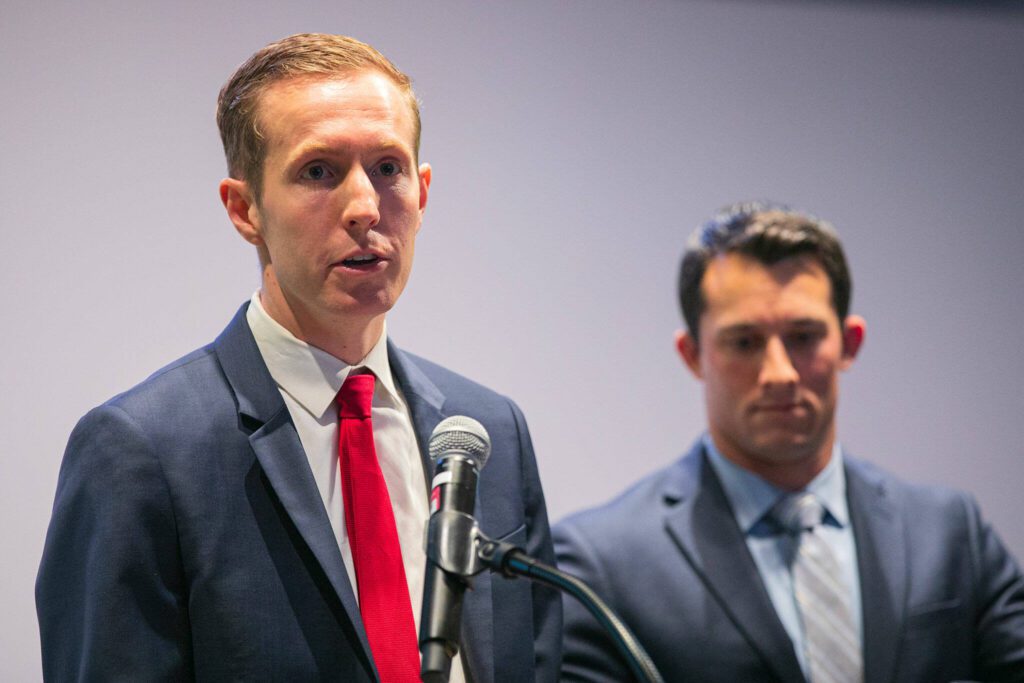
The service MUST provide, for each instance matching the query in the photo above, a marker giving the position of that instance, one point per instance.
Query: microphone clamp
(453, 539)
(456, 544)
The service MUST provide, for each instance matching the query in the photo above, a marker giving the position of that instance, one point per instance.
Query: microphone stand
(463, 560)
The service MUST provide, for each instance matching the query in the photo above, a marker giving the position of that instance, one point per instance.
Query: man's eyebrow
(807, 322)
(376, 147)
(738, 328)
(747, 328)
(314, 148)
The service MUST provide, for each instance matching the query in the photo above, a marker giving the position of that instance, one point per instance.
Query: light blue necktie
(831, 644)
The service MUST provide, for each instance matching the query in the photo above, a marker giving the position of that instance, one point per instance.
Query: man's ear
(425, 176)
(854, 328)
(689, 351)
(238, 200)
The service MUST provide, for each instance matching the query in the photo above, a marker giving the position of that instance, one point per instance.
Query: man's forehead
(278, 96)
(739, 284)
(282, 90)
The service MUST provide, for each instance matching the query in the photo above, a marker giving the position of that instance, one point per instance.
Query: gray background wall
(575, 144)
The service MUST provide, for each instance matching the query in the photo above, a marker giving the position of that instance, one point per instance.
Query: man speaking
(256, 510)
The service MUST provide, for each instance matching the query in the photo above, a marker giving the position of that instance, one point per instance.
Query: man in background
(256, 510)
(767, 553)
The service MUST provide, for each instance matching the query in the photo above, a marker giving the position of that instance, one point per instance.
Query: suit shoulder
(452, 383)
(185, 392)
(169, 375)
(632, 508)
(912, 495)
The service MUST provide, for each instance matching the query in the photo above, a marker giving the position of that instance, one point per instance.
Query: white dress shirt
(309, 379)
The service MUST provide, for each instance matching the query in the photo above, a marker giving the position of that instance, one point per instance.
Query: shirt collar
(752, 497)
(310, 375)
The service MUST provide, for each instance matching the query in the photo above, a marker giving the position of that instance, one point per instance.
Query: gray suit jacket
(942, 599)
(189, 541)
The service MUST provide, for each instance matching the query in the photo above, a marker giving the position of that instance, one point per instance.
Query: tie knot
(798, 512)
(355, 398)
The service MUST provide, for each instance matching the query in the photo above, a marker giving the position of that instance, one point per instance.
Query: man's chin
(785, 448)
(363, 304)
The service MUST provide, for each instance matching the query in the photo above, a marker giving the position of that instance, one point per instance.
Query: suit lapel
(702, 524)
(426, 405)
(280, 454)
(425, 402)
(881, 560)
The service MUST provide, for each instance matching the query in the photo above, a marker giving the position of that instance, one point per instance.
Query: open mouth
(361, 262)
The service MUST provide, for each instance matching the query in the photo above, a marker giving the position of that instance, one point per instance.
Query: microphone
(459, 447)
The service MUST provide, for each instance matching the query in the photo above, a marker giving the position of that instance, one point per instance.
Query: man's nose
(361, 210)
(777, 367)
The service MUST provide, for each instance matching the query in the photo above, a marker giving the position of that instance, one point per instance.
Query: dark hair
(769, 233)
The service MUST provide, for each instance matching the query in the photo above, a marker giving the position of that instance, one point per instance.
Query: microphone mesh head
(463, 435)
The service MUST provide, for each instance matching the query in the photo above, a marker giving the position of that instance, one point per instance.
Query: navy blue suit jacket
(189, 540)
(942, 599)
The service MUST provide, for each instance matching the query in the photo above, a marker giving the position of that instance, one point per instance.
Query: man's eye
(743, 343)
(315, 172)
(805, 338)
(389, 168)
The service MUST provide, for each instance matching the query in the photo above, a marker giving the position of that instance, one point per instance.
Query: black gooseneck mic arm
(512, 561)
(457, 550)
(447, 549)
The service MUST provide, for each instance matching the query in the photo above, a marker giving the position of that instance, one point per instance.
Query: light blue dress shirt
(751, 497)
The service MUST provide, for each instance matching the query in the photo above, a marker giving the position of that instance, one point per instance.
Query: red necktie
(383, 592)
